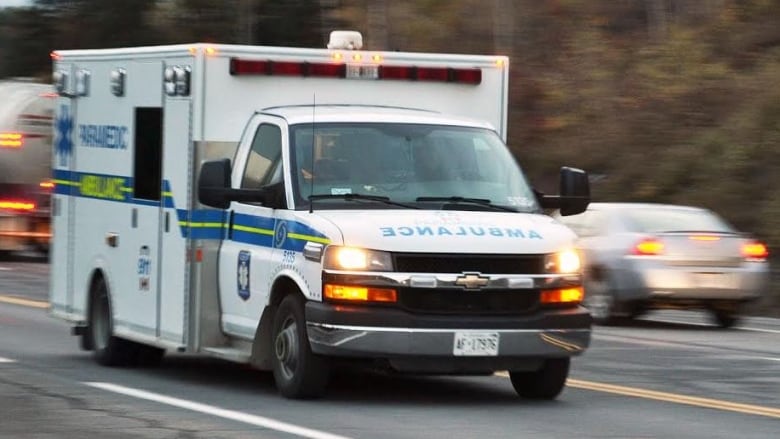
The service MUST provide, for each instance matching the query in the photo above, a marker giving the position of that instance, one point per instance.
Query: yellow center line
(23, 302)
(671, 397)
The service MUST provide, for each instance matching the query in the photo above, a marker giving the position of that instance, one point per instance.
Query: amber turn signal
(562, 295)
(359, 294)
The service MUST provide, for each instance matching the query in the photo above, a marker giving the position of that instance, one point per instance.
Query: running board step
(230, 354)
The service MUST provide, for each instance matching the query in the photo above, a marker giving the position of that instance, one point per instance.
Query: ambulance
(26, 109)
(307, 210)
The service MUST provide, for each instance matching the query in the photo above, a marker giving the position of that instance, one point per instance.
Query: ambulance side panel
(131, 264)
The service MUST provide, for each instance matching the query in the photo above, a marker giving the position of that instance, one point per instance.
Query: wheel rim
(600, 306)
(598, 300)
(286, 347)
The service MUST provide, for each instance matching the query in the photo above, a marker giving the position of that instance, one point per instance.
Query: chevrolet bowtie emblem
(472, 280)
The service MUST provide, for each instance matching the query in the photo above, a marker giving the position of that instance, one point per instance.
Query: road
(669, 376)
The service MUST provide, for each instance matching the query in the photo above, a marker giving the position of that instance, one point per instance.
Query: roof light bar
(239, 67)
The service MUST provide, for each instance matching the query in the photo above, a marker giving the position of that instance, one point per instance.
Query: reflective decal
(244, 260)
(144, 268)
(63, 145)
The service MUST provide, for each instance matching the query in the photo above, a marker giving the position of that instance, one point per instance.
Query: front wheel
(545, 383)
(298, 372)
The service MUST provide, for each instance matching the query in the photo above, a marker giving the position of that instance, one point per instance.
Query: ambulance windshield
(407, 163)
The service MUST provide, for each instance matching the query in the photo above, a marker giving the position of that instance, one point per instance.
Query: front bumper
(426, 342)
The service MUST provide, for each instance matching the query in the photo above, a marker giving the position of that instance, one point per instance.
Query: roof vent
(345, 40)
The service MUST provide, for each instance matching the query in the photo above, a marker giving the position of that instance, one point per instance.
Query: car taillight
(755, 251)
(648, 247)
(11, 140)
(17, 205)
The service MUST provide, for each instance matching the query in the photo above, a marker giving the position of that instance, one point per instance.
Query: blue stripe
(198, 223)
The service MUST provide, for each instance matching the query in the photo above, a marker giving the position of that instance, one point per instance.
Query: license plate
(713, 280)
(481, 344)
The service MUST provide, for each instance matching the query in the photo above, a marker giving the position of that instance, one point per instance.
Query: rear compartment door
(174, 254)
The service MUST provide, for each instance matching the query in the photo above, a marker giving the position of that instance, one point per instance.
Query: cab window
(264, 164)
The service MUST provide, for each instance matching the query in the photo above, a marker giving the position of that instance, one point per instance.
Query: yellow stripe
(670, 397)
(185, 224)
(253, 230)
(126, 189)
(309, 238)
(67, 183)
(24, 302)
(167, 194)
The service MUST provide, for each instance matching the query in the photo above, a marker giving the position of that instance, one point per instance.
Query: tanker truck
(26, 109)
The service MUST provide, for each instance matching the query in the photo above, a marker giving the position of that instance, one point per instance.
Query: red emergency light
(285, 68)
(238, 67)
(11, 140)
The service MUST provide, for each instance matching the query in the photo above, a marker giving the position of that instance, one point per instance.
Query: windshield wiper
(360, 197)
(456, 199)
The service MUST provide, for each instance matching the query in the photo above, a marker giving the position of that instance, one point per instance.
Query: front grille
(472, 302)
(486, 264)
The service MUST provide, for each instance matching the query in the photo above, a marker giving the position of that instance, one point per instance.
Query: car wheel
(298, 372)
(108, 350)
(545, 383)
(599, 300)
(725, 319)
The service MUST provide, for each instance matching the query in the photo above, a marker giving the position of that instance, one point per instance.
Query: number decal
(288, 257)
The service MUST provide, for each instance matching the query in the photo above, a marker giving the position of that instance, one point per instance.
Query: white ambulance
(295, 209)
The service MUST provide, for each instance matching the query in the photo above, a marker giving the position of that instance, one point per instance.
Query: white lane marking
(6, 360)
(771, 359)
(5, 268)
(258, 421)
(741, 328)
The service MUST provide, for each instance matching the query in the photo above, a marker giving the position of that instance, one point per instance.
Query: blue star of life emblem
(244, 259)
(280, 234)
(64, 143)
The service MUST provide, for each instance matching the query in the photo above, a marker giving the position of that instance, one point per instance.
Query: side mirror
(575, 191)
(214, 183)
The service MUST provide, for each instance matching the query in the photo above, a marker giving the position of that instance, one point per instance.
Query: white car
(643, 256)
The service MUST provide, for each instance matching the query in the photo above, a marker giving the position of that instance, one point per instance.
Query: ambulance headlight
(358, 259)
(563, 262)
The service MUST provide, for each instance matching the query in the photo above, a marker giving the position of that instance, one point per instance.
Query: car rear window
(675, 220)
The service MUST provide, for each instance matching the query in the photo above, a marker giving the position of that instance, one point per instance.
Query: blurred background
(659, 100)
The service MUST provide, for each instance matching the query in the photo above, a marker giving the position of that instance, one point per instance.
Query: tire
(725, 319)
(298, 372)
(545, 383)
(107, 349)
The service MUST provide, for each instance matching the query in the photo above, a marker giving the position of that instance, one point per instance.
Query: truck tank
(26, 110)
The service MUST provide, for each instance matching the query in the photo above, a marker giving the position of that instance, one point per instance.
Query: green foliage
(660, 100)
